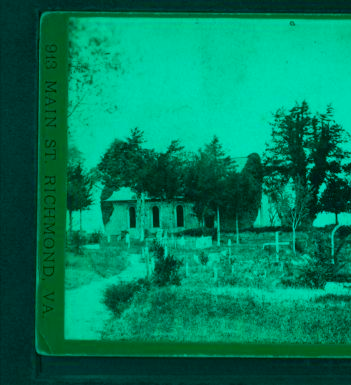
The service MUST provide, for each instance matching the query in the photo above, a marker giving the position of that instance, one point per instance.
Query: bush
(311, 270)
(76, 240)
(203, 258)
(118, 297)
(166, 268)
(95, 237)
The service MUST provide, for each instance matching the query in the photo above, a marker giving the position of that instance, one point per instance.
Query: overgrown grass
(81, 269)
(78, 271)
(190, 315)
(107, 261)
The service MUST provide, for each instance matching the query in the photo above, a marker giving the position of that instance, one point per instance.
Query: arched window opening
(155, 216)
(132, 217)
(180, 216)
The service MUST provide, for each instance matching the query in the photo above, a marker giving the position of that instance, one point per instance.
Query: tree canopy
(305, 147)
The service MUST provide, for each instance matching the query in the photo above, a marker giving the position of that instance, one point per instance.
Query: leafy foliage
(166, 267)
(336, 198)
(78, 188)
(203, 258)
(77, 240)
(118, 297)
(306, 148)
(311, 270)
(206, 178)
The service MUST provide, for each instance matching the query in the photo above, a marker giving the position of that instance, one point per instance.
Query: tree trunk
(237, 229)
(294, 239)
(218, 229)
(336, 219)
(142, 217)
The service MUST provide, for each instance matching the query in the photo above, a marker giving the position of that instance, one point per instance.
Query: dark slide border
(19, 90)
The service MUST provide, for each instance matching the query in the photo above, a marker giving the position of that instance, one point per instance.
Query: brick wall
(120, 221)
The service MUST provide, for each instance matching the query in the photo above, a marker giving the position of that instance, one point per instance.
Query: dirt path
(85, 315)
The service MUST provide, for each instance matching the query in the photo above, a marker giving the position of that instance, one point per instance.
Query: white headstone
(128, 240)
(182, 241)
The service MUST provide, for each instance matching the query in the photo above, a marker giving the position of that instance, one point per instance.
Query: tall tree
(251, 186)
(79, 187)
(127, 164)
(166, 177)
(294, 205)
(206, 181)
(304, 147)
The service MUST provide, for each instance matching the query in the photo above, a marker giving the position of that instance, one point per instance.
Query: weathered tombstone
(182, 241)
(159, 235)
(128, 240)
(196, 258)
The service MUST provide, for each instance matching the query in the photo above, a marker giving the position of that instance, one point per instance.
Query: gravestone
(182, 241)
(128, 240)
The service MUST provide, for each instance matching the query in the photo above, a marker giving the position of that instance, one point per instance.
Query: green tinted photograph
(208, 180)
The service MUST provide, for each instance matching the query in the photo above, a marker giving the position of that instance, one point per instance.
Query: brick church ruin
(172, 216)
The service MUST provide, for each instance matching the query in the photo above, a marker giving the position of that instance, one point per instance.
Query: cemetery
(176, 287)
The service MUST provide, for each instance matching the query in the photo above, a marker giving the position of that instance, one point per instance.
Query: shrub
(203, 258)
(95, 237)
(166, 268)
(76, 240)
(311, 270)
(118, 297)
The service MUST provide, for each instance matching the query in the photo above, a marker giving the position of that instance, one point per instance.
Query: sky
(192, 78)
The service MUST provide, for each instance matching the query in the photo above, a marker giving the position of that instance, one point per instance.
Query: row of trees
(208, 178)
(305, 171)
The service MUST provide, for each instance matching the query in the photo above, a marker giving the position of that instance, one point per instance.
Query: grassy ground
(238, 315)
(213, 303)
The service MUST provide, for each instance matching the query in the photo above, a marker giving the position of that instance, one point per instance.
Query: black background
(18, 126)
